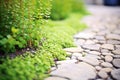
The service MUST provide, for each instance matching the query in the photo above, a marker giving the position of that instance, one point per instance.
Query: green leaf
(14, 30)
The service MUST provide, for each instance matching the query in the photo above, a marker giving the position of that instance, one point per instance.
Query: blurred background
(103, 2)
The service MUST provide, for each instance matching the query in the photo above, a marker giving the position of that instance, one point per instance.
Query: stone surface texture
(103, 74)
(108, 58)
(116, 62)
(71, 70)
(116, 74)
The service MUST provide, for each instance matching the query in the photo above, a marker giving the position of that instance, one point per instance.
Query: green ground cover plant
(19, 22)
(57, 35)
(25, 25)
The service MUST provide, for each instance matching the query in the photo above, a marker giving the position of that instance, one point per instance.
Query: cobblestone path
(97, 55)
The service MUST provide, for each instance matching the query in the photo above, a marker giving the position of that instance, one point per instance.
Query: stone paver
(113, 42)
(106, 64)
(98, 68)
(79, 49)
(108, 58)
(107, 54)
(84, 35)
(117, 51)
(94, 52)
(91, 47)
(117, 46)
(71, 70)
(108, 46)
(113, 36)
(103, 74)
(116, 62)
(106, 69)
(116, 56)
(97, 52)
(91, 61)
(116, 74)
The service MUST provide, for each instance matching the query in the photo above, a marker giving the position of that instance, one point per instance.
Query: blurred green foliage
(62, 9)
(26, 67)
(20, 22)
(78, 6)
(24, 24)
